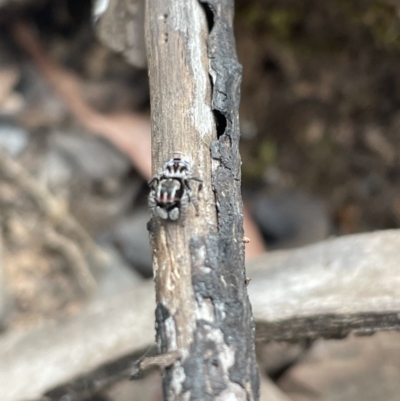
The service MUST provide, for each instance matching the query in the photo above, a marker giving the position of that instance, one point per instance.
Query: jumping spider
(171, 190)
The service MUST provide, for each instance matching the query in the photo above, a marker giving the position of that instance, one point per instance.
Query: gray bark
(202, 304)
(339, 286)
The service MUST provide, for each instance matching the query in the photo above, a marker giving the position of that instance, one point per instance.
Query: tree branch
(202, 305)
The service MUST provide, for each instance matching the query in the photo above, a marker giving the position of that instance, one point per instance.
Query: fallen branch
(344, 285)
(354, 279)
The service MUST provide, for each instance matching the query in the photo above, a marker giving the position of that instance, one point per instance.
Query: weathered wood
(343, 285)
(202, 304)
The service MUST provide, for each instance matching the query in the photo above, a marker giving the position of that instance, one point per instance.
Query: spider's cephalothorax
(171, 190)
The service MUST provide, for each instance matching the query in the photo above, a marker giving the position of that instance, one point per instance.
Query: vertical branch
(202, 306)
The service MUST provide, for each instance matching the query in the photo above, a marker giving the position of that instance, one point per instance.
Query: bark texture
(202, 305)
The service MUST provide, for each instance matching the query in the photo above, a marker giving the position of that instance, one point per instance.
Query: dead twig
(160, 361)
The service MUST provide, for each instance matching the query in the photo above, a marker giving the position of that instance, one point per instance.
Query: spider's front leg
(199, 180)
(190, 193)
(152, 201)
(153, 183)
(192, 198)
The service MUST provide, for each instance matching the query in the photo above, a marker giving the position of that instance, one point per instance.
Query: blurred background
(320, 126)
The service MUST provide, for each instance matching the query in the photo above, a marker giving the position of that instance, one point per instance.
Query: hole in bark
(221, 123)
(209, 15)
